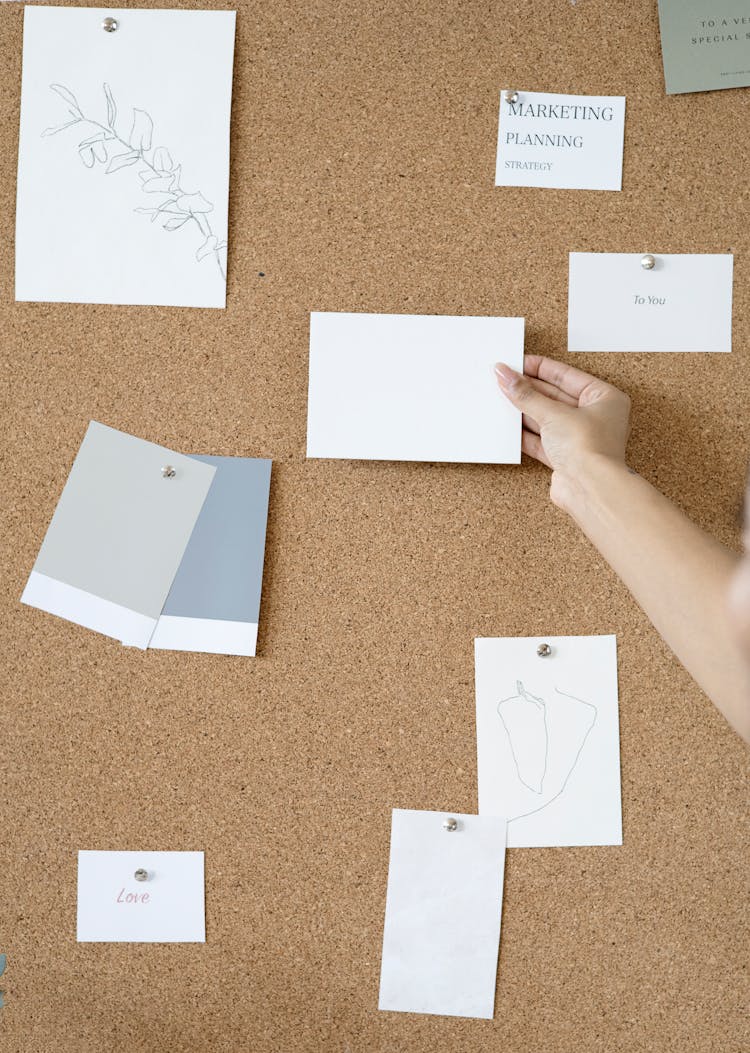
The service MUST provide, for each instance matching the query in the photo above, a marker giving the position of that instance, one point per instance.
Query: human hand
(568, 416)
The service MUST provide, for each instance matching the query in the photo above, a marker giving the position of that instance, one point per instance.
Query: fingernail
(505, 375)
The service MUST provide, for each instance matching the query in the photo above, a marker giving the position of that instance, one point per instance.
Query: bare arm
(680, 576)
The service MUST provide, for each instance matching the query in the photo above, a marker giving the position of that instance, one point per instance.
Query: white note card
(572, 142)
(548, 739)
(393, 387)
(115, 907)
(442, 915)
(123, 156)
(682, 303)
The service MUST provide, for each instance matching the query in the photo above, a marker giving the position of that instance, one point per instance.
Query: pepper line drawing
(524, 718)
(160, 175)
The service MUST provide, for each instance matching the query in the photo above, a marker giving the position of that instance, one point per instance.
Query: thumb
(519, 390)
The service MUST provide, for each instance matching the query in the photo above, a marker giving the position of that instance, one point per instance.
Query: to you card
(123, 157)
(705, 44)
(412, 388)
(572, 142)
(683, 302)
(118, 535)
(548, 739)
(141, 897)
(442, 914)
(214, 603)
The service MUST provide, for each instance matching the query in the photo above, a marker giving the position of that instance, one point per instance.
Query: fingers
(553, 392)
(529, 423)
(531, 444)
(520, 391)
(568, 379)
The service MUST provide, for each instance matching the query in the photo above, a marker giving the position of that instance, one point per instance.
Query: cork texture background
(363, 147)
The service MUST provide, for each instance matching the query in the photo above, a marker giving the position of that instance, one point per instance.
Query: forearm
(678, 574)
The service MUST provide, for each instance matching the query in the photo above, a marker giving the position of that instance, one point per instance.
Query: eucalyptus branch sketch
(159, 176)
(524, 717)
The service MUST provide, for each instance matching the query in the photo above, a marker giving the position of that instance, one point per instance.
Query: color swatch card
(391, 387)
(572, 142)
(627, 301)
(123, 158)
(214, 603)
(442, 914)
(141, 897)
(118, 535)
(548, 739)
(705, 44)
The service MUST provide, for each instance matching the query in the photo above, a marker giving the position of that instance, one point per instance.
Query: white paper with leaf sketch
(164, 904)
(442, 914)
(123, 156)
(678, 302)
(548, 739)
(397, 387)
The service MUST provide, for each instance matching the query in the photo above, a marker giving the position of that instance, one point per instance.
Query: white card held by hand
(141, 897)
(572, 142)
(629, 301)
(123, 157)
(548, 739)
(118, 535)
(442, 915)
(390, 387)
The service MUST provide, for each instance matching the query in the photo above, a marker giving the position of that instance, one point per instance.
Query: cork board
(363, 147)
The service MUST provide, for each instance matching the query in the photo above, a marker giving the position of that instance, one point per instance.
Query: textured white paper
(143, 115)
(412, 388)
(442, 915)
(573, 142)
(115, 908)
(548, 741)
(684, 303)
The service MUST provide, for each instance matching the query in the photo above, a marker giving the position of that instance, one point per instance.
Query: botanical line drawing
(524, 718)
(159, 176)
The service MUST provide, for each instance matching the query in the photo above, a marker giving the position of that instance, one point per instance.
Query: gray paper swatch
(705, 45)
(118, 535)
(214, 602)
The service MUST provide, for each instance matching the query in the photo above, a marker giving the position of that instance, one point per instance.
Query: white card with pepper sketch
(548, 738)
(123, 157)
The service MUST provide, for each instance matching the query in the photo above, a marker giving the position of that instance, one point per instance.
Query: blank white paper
(548, 739)
(684, 303)
(123, 157)
(572, 142)
(412, 388)
(168, 907)
(442, 915)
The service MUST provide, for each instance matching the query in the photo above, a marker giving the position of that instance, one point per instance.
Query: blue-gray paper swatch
(221, 573)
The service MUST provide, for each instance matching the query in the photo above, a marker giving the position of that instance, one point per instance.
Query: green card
(705, 44)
